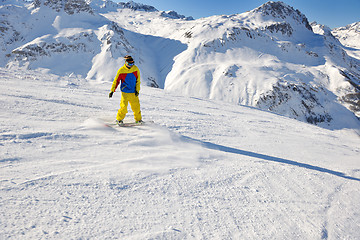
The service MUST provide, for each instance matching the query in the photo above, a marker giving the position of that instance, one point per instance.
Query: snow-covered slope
(206, 169)
(270, 58)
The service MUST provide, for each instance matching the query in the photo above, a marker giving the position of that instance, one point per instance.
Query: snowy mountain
(64, 38)
(270, 58)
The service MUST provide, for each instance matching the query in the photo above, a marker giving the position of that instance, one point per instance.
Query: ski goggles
(130, 64)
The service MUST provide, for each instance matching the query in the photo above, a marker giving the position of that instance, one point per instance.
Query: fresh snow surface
(205, 169)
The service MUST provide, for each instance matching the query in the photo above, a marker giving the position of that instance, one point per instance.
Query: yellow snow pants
(134, 104)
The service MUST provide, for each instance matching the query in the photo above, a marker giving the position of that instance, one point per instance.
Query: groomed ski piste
(205, 169)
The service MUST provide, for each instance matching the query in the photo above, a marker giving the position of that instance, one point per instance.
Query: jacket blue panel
(128, 84)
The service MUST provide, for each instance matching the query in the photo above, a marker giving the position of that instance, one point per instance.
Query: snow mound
(156, 148)
(94, 124)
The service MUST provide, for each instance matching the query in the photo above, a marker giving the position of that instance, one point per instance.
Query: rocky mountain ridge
(349, 35)
(280, 10)
(106, 6)
(68, 6)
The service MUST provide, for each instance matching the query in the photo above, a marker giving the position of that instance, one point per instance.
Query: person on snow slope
(129, 77)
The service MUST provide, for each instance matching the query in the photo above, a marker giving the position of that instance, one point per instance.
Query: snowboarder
(129, 77)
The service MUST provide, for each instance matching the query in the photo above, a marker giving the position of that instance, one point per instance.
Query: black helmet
(129, 59)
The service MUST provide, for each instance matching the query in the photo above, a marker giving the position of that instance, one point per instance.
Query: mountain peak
(175, 15)
(283, 11)
(349, 35)
(137, 6)
(351, 27)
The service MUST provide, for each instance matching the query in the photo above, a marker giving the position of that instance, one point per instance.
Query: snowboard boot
(120, 123)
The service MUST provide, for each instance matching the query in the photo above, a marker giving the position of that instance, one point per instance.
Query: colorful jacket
(129, 79)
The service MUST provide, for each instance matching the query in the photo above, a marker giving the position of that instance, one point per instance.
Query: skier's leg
(135, 106)
(123, 107)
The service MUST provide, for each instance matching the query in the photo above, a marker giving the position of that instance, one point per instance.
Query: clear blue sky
(333, 13)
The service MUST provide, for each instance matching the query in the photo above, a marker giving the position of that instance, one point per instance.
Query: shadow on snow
(221, 148)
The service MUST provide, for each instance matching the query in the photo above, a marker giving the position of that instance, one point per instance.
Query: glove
(136, 93)
(110, 94)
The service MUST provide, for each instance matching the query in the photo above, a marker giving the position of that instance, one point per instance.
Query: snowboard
(127, 124)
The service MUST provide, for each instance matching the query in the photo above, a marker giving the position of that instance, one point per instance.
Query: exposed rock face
(283, 98)
(352, 98)
(281, 10)
(137, 6)
(69, 6)
(284, 28)
(175, 15)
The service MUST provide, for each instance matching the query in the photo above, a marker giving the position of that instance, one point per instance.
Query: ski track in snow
(205, 169)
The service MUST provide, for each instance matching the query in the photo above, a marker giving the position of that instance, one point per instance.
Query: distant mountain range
(271, 57)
